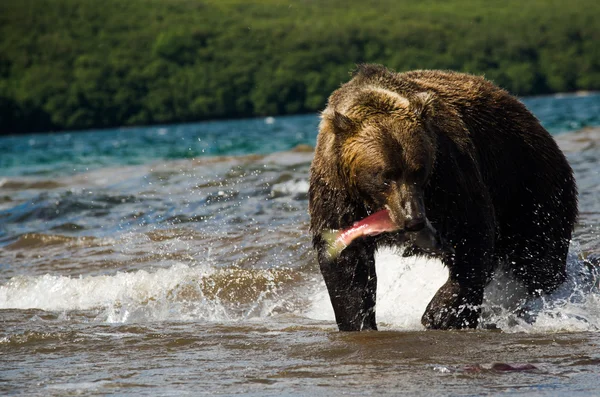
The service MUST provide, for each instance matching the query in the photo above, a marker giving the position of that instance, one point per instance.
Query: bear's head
(382, 152)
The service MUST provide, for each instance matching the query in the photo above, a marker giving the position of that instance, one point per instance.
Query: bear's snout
(405, 203)
(414, 225)
(428, 239)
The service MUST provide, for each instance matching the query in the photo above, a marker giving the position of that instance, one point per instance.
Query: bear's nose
(414, 225)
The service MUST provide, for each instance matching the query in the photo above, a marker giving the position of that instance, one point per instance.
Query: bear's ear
(341, 124)
(369, 70)
(422, 104)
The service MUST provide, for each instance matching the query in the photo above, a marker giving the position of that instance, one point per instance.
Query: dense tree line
(75, 64)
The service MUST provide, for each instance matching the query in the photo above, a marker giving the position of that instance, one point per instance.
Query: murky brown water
(75, 355)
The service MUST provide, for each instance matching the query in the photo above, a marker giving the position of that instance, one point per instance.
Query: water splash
(404, 288)
(205, 292)
(574, 306)
(406, 285)
(180, 292)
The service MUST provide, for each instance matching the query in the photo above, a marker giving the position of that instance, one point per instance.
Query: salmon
(374, 224)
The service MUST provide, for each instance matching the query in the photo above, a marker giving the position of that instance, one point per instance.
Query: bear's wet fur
(450, 155)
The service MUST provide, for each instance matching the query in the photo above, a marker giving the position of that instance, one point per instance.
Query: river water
(176, 259)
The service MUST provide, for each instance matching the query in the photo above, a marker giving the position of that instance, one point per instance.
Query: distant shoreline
(71, 65)
(576, 94)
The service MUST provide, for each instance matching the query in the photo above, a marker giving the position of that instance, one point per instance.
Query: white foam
(404, 288)
(136, 296)
(406, 285)
(292, 187)
(574, 306)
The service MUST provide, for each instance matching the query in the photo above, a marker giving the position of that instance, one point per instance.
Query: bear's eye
(418, 175)
(372, 178)
(382, 178)
(390, 175)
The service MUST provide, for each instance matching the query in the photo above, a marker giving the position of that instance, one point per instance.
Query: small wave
(205, 292)
(297, 188)
(38, 240)
(33, 337)
(300, 155)
(68, 227)
(27, 184)
(178, 219)
(177, 293)
(585, 139)
(57, 206)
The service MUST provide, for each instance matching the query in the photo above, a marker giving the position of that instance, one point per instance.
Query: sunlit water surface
(176, 260)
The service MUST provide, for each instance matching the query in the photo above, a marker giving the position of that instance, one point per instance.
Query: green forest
(79, 64)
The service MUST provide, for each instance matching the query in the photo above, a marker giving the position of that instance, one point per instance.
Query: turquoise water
(79, 151)
(176, 259)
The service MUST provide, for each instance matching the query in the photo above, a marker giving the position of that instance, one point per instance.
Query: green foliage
(72, 64)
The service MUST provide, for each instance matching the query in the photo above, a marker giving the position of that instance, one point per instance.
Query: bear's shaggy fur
(449, 155)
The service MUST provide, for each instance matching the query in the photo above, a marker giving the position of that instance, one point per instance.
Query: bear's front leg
(454, 307)
(352, 284)
(457, 304)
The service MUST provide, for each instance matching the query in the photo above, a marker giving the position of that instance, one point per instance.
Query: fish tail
(334, 245)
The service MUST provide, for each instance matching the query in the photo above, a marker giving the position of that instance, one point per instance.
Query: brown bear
(461, 168)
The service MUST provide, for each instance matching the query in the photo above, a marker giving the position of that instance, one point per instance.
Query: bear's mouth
(421, 234)
(372, 225)
(427, 238)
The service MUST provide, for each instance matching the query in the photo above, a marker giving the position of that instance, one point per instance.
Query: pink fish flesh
(372, 225)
